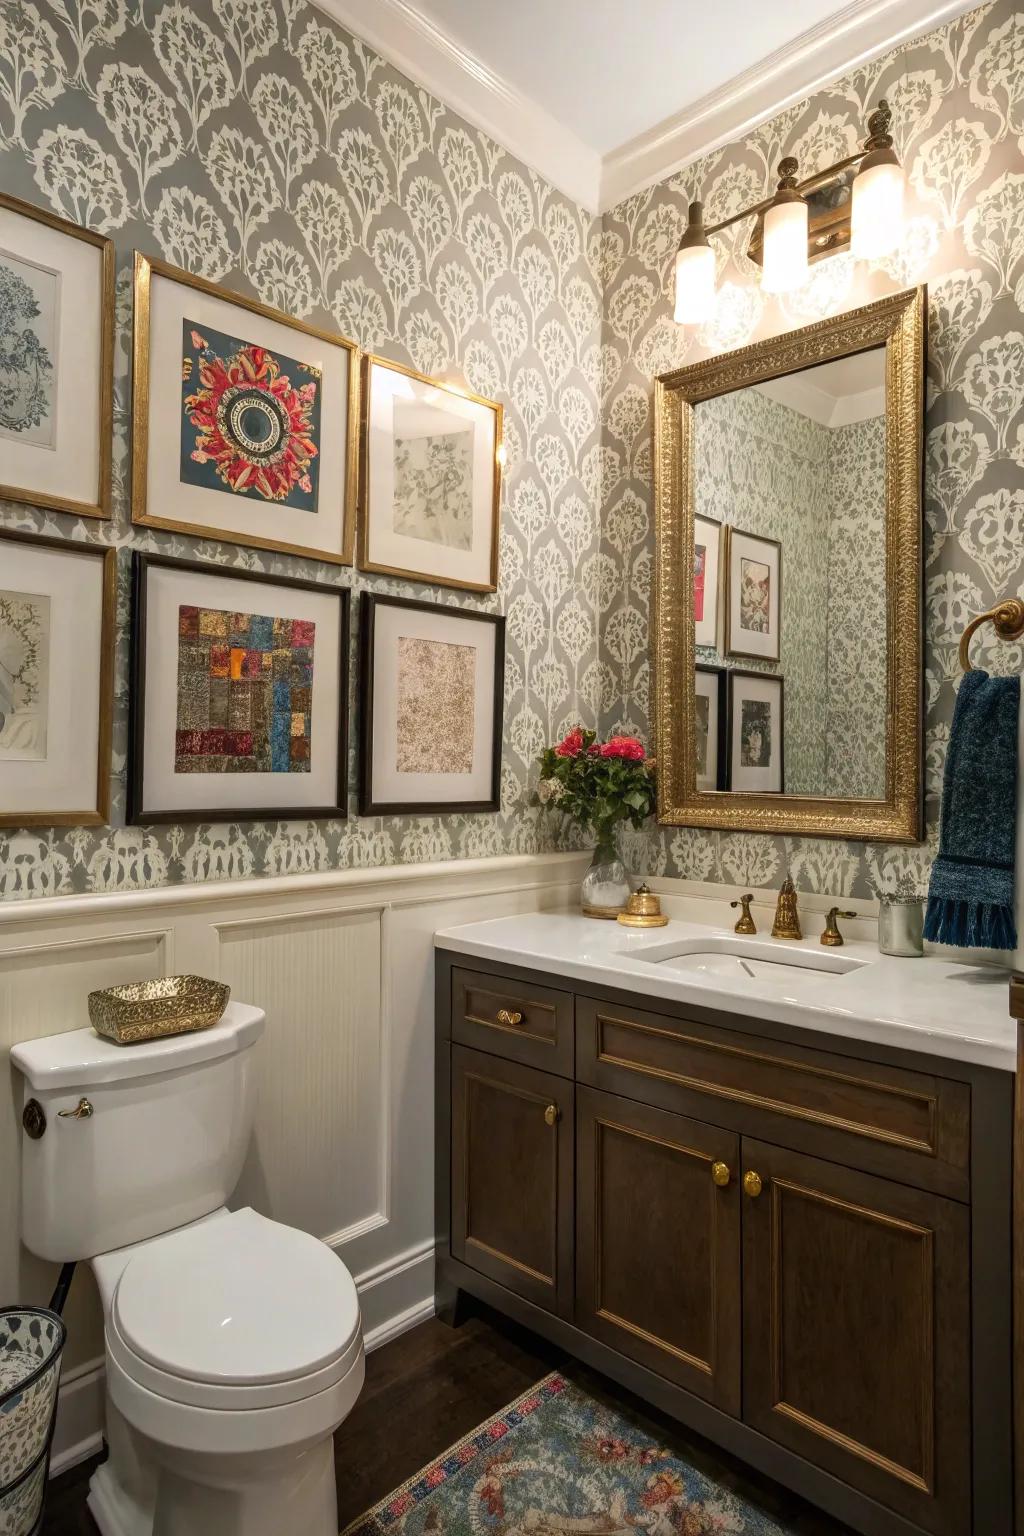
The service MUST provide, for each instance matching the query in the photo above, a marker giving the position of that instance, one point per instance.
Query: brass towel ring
(1007, 618)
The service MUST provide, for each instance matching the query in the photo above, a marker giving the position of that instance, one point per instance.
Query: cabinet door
(856, 1330)
(658, 1242)
(512, 1133)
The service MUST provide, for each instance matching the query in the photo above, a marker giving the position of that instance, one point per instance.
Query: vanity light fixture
(788, 234)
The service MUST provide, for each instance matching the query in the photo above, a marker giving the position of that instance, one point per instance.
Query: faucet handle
(831, 936)
(745, 923)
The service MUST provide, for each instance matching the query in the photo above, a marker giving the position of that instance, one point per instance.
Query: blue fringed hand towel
(970, 896)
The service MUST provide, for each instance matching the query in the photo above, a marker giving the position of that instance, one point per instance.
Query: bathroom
(533, 264)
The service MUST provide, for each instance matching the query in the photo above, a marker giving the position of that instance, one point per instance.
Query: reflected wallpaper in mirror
(793, 469)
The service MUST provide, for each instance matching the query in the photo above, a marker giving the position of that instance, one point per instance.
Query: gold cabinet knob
(720, 1174)
(752, 1183)
(82, 1110)
(551, 1115)
(509, 1016)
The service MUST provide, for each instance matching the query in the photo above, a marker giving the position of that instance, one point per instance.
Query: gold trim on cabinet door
(146, 267)
(101, 506)
(898, 322)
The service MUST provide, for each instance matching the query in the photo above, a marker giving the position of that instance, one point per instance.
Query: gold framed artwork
(58, 605)
(245, 419)
(56, 403)
(430, 479)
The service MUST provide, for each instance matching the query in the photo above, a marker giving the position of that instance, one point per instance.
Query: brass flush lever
(82, 1111)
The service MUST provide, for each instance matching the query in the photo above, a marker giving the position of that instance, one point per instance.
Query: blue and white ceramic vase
(31, 1344)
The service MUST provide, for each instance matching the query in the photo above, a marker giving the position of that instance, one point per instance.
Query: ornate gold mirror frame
(899, 323)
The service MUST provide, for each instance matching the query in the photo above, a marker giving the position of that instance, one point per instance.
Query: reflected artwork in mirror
(788, 559)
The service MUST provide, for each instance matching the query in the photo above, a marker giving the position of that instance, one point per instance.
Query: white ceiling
(605, 97)
(609, 71)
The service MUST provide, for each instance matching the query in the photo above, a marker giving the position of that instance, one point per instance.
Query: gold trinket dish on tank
(149, 1010)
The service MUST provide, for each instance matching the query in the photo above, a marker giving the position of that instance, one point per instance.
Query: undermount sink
(744, 960)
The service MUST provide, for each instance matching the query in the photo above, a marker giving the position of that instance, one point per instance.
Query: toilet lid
(237, 1301)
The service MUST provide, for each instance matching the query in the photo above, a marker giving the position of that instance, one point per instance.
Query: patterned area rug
(557, 1462)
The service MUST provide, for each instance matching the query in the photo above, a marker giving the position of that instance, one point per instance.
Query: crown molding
(863, 30)
(406, 38)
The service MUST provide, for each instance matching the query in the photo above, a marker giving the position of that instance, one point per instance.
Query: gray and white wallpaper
(261, 146)
(958, 102)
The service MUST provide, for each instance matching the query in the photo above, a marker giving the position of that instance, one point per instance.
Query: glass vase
(606, 887)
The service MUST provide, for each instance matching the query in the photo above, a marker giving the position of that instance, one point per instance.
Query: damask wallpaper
(958, 103)
(259, 145)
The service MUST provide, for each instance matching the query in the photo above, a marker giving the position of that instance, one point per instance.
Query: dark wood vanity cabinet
(800, 1251)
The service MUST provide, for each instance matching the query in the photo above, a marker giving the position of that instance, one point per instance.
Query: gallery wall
(263, 148)
(958, 104)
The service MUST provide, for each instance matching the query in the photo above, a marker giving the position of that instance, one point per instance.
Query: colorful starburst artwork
(245, 692)
(250, 420)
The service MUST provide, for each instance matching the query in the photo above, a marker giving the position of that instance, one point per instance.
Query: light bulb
(784, 245)
(695, 284)
(876, 225)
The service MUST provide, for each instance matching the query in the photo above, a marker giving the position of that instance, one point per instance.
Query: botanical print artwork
(436, 706)
(245, 689)
(702, 710)
(250, 419)
(755, 593)
(24, 675)
(755, 733)
(700, 561)
(29, 317)
(433, 497)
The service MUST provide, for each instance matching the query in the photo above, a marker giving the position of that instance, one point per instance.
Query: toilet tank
(161, 1142)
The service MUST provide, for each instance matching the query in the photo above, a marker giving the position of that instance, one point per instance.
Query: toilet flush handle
(82, 1110)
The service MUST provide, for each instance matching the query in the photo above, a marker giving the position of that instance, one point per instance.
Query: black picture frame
(138, 812)
(733, 674)
(721, 760)
(369, 805)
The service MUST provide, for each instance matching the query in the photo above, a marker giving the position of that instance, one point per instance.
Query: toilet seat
(237, 1312)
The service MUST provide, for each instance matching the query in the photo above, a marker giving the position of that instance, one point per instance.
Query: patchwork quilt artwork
(250, 419)
(436, 706)
(29, 315)
(245, 692)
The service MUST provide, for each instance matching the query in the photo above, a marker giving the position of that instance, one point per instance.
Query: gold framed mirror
(787, 619)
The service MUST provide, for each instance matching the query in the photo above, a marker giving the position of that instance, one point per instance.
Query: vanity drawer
(514, 1019)
(906, 1125)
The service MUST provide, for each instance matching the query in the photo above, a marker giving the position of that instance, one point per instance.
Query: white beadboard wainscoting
(343, 1141)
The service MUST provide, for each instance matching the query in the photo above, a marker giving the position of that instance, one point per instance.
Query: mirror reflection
(790, 588)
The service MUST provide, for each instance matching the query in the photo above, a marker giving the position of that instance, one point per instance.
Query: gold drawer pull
(721, 1174)
(552, 1115)
(509, 1016)
(82, 1111)
(752, 1183)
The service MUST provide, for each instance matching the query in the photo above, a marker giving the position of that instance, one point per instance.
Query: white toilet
(233, 1344)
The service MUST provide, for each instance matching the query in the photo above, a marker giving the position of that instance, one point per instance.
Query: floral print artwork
(434, 484)
(755, 596)
(558, 1462)
(24, 675)
(436, 724)
(29, 313)
(250, 419)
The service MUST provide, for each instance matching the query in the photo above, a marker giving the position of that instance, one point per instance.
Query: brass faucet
(787, 918)
(745, 923)
(831, 935)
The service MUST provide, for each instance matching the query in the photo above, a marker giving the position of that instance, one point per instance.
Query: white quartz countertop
(931, 1005)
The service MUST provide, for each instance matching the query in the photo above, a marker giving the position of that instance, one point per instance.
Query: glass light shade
(695, 284)
(877, 218)
(785, 246)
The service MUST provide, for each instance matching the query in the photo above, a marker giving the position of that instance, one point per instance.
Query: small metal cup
(901, 926)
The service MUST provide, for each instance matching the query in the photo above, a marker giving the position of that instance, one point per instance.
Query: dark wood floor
(429, 1388)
